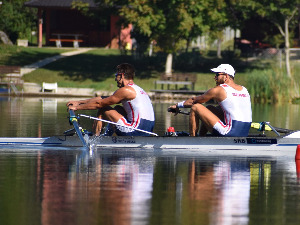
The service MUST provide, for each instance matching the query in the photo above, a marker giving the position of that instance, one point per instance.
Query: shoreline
(152, 95)
(35, 90)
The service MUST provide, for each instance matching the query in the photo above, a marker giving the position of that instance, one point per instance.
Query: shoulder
(218, 93)
(126, 88)
(239, 87)
(126, 93)
(217, 89)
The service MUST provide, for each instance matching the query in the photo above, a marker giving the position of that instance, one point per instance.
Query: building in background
(62, 24)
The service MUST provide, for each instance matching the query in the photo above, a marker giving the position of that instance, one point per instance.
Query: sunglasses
(218, 74)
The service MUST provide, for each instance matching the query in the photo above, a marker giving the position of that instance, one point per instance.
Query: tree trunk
(287, 48)
(151, 49)
(168, 70)
(219, 45)
(5, 39)
(188, 41)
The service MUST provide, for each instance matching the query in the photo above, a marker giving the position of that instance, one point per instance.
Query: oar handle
(179, 111)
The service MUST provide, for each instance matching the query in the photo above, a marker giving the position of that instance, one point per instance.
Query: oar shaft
(74, 121)
(107, 121)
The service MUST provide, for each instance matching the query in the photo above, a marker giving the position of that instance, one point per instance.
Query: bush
(16, 20)
(269, 85)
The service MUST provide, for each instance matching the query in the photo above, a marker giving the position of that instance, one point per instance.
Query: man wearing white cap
(232, 117)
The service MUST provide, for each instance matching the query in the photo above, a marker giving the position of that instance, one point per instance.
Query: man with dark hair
(232, 117)
(136, 112)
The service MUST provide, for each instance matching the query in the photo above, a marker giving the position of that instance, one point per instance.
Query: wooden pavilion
(65, 26)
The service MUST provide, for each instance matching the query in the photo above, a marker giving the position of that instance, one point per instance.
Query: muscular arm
(124, 93)
(76, 103)
(217, 93)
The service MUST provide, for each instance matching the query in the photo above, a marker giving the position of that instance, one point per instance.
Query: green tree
(237, 12)
(282, 13)
(217, 18)
(170, 23)
(16, 20)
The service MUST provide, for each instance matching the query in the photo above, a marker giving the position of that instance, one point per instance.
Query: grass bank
(95, 69)
(21, 56)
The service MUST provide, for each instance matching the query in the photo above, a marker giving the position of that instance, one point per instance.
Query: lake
(133, 186)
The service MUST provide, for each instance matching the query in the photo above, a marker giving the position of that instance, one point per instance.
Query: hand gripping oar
(178, 111)
(73, 120)
(107, 121)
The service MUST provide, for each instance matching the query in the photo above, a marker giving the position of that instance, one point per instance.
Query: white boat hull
(208, 143)
(192, 143)
(55, 141)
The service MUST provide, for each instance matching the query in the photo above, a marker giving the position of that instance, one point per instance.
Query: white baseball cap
(224, 68)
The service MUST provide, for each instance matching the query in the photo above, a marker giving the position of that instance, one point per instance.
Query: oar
(107, 121)
(255, 125)
(73, 120)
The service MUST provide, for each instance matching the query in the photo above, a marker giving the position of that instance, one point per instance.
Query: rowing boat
(266, 145)
(286, 142)
(79, 138)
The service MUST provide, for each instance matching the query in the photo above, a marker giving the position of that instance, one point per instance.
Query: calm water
(72, 186)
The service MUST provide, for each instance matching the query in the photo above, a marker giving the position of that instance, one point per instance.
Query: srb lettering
(237, 141)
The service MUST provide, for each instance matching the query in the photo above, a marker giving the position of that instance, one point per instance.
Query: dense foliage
(16, 20)
(172, 23)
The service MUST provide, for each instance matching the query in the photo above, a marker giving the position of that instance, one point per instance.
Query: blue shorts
(145, 125)
(238, 129)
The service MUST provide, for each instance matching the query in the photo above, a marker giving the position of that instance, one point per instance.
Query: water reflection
(149, 187)
(110, 189)
(140, 186)
(220, 191)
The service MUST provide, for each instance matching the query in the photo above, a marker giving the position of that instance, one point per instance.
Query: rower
(232, 117)
(136, 110)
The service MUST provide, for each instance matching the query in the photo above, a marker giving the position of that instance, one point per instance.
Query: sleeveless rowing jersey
(237, 112)
(139, 108)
